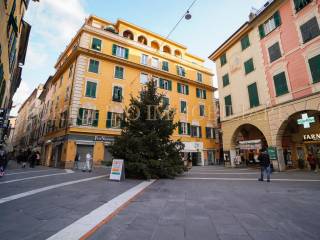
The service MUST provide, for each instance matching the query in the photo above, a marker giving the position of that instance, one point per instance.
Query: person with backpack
(265, 164)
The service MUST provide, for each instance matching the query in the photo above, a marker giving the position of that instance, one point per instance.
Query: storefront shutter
(179, 87)
(80, 116)
(114, 50)
(109, 116)
(96, 119)
(253, 95)
(314, 64)
(277, 18)
(261, 31)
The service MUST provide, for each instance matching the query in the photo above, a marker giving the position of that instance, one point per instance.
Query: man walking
(3, 160)
(264, 164)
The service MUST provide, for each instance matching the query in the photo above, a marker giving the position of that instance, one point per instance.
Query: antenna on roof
(253, 13)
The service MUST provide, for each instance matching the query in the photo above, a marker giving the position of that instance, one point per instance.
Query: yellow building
(97, 73)
(14, 36)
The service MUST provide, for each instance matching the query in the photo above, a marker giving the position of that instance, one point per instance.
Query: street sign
(272, 151)
(117, 170)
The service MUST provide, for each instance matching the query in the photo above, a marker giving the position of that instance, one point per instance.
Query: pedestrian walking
(24, 159)
(318, 158)
(312, 161)
(32, 159)
(76, 161)
(3, 160)
(88, 163)
(37, 158)
(265, 164)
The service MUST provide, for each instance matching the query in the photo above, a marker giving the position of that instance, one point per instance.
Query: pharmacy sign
(306, 121)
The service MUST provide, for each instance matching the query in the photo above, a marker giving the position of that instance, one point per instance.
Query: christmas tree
(145, 142)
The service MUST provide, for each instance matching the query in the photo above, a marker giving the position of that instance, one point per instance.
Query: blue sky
(55, 22)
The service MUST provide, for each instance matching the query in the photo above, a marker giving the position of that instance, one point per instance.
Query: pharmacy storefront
(301, 138)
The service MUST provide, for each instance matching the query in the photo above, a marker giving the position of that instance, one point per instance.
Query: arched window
(155, 45)
(110, 28)
(128, 34)
(143, 40)
(177, 53)
(167, 49)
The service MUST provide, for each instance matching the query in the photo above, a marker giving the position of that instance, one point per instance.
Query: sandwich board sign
(117, 170)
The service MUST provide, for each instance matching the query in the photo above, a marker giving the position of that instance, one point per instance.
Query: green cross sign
(306, 121)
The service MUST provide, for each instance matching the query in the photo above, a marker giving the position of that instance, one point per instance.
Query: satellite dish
(188, 16)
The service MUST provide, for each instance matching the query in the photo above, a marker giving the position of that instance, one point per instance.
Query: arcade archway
(247, 140)
(299, 136)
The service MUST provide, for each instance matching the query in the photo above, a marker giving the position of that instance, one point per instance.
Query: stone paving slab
(224, 210)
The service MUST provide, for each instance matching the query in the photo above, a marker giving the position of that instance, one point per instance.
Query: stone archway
(281, 115)
(246, 142)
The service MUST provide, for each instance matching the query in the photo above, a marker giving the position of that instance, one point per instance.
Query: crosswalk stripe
(225, 173)
(35, 177)
(249, 179)
(26, 172)
(39, 190)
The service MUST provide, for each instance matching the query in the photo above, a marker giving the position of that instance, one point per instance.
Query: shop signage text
(311, 137)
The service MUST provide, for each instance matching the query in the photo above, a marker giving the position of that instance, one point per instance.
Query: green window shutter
(96, 119)
(169, 85)
(228, 105)
(94, 66)
(88, 89)
(192, 130)
(200, 132)
(183, 72)
(201, 110)
(126, 54)
(115, 93)
(179, 87)
(187, 89)
(96, 44)
(248, 66)
(198, 92)
(182, 106)
(223, 59)
(277, 18)
(225, 80)
(180, 128)
(114, 50)
(93, 89)
(165, 66)
(245, 42)
(119, 72)
(178, 70)
(204, 94)
(120, 93)
(188, 128)
(80, 116)
(109, 117)
(314, 64)
(280, 84)
(253, 95)
(261, 31)
(161, 84)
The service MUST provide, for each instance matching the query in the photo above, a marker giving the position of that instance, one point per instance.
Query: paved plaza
(205, 203)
